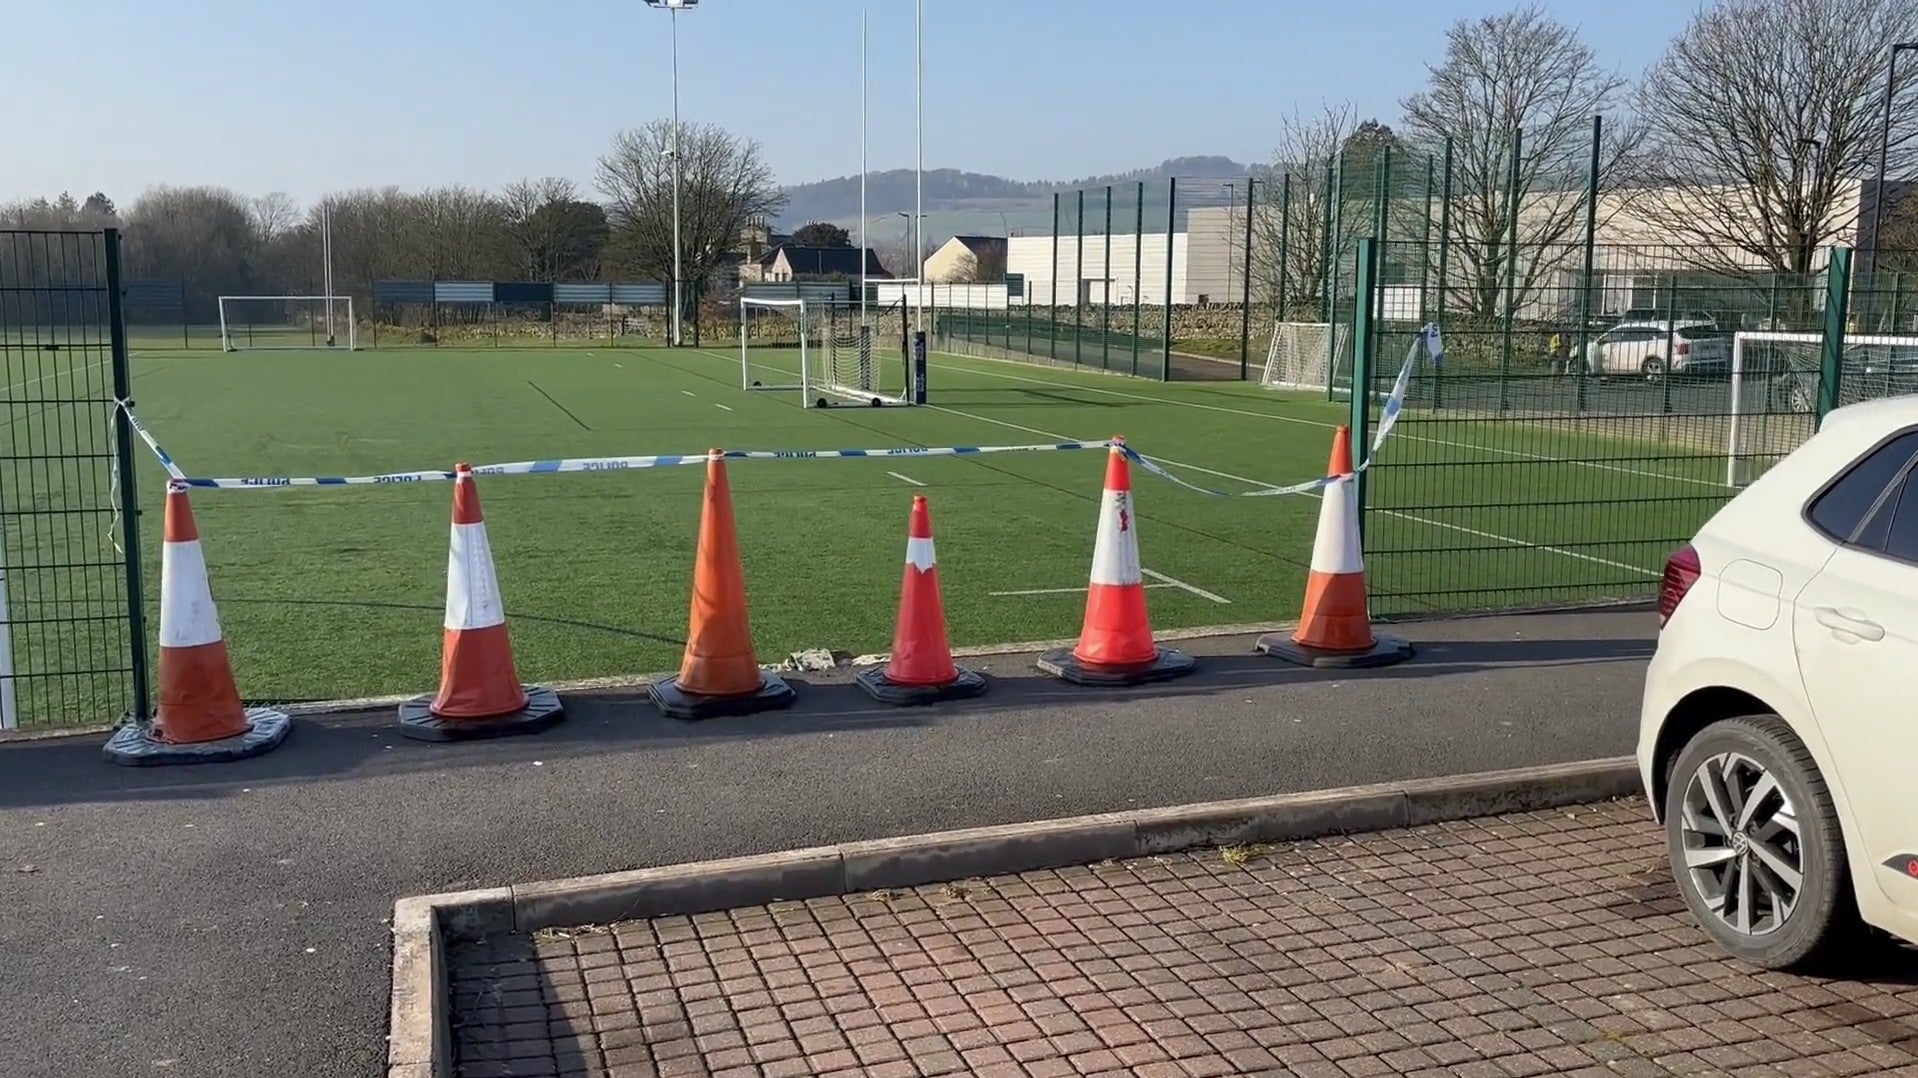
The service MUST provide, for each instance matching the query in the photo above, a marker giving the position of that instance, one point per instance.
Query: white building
(1136, 269)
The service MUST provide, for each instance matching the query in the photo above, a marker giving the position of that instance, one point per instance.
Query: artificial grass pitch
(336, 592)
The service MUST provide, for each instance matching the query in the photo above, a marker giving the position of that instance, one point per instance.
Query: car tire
(1820, 919)
(1652, 369)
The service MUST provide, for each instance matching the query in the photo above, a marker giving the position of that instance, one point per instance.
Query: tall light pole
(919, 160)
(673, 8)
(1884, 146)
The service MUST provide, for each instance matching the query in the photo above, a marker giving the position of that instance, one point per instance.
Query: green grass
(338, 592)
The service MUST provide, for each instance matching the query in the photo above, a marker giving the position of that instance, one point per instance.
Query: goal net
(260, 322)
(825, 351)
(1307, 355)
(1776, 381)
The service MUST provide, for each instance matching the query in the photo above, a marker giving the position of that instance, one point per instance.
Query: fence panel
(72, 644)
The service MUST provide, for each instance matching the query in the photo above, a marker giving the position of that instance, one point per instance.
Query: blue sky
(119, 95)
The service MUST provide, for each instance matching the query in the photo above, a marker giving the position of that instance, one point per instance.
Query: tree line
(1740, 149)
(222, 242)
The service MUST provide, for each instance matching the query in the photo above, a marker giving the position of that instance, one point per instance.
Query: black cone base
(676, 703)
(134, 745)
(968, 684)
(1167, 665)
(1384, 651)
(541, 712)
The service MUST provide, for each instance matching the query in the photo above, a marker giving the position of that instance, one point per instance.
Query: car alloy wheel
(1740, 835)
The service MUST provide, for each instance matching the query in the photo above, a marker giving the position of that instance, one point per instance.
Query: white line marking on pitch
(1521, 454)
(906, 479)
(1493, 536)
(689, 393)
(724, 407)
(1062, 591)
(1177, 583)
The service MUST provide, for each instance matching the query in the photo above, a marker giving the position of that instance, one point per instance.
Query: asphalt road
(229, 920)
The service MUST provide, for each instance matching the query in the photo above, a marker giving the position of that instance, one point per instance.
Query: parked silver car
(1651, 349)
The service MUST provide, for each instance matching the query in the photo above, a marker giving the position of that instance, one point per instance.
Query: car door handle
(1849, 623)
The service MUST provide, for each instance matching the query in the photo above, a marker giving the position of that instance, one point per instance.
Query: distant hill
(957, 201)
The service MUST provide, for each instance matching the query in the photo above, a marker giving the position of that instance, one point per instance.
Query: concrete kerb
(420, 1038)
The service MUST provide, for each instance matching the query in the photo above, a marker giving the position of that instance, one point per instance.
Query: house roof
(981, 244)
(825, 260)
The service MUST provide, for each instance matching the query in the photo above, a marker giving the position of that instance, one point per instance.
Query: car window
(1701, 333)
(1841, 510)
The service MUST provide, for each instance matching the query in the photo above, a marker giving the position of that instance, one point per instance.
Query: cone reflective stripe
(1335, 623)
(920, 669)
(1115, 639)
(480, 694)
(198, 698)
(1116, 630)
(477, 675)
(200, 718)
(719, 673)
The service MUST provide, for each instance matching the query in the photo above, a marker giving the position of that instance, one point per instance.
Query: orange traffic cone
(720, 675)
(1335, 627)
(200, 719)
(1115, 642)
(480, 694)
(920, 669)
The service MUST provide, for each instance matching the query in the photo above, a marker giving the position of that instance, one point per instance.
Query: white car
(1649, 349)
(1778, 738)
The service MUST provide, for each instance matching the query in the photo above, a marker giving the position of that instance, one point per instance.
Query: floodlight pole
(919, 162)
(679, 268)
(862, 167)
(1884, 146)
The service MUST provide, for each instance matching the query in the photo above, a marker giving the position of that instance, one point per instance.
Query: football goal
(824, 351)
(263, 322)
(1307, 355)
(1776, 380)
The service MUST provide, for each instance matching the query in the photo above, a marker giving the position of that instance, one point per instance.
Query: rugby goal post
(824, 351)
(1776, 379)
(253, 323)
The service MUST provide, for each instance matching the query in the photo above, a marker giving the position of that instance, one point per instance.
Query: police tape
(1428, 340)
(562, 465)
(1393, 403)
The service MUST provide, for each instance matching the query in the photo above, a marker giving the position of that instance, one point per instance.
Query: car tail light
(1681, 572)
(1684, 348)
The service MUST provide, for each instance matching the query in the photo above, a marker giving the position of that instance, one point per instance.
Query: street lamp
(1884, 145)
(673, 8)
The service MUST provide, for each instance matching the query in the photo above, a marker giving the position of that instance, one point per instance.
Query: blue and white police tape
(166, 459)
(616, 464)
(1394, 403)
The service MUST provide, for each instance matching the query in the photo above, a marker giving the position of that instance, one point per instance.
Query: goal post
(824, 350)
(1776, 380)
(252, 323)
(1307, 355)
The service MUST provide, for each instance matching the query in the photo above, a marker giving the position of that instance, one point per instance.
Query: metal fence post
(1171, 218)
(1138, 269)
(1837, 310)
(1511, 272)
(1671, 341)
(1280, 306)
(1334, 243)
(1585, 282)
(1444, 266)
(1105, 290)
(1364, 332)
(129, 479)
(1078, 278)
(1245, 283)
(1052, 321)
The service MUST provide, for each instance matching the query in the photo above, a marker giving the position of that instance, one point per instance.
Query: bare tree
(1763, 115)
(985, 264)
(553, 234)
(1307, 145)
(1519, 83)
(725, 183)
(274, 215)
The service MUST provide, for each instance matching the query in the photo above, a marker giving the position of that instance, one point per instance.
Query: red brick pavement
(1548, 943)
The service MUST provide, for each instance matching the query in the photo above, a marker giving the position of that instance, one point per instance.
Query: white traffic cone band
(1336, 549)
(472, 588)
(187, 616)
(1115, 549)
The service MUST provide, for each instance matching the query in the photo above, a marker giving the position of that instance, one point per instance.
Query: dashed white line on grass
(1061, 591)
(724, 407)
(1177, 583)
(906, 479)
(689, 393)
